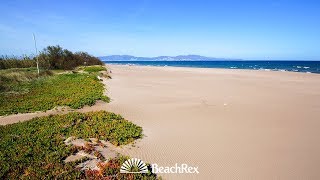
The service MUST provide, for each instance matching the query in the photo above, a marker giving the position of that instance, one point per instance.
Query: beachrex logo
(135, 165)
(181, 169)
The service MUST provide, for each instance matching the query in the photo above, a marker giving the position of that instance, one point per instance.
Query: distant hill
(162, 58)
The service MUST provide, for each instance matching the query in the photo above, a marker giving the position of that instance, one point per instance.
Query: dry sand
(232, 124)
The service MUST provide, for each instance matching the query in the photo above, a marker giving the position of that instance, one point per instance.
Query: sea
(294, 66)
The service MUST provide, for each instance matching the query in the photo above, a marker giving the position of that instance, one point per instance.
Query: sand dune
(232, 124)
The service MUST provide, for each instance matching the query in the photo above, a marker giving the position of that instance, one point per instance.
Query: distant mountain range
(163, 58)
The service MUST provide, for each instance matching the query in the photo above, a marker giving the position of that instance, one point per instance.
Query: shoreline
(180, 68)
(256, 67)
(212, 68)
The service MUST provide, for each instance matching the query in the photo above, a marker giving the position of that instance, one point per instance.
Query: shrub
(51, 57)
(87, 59)
(55, 57)
(7, 62)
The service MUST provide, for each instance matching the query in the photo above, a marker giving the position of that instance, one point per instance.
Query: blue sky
(282, 29)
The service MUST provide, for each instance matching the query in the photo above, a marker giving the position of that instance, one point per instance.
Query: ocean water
(295, 66)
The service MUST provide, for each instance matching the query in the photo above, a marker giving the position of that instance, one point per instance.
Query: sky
(256, 30)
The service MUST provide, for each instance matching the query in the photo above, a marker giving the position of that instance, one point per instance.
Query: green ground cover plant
(91, 69)
(35, 149)
(73, 90)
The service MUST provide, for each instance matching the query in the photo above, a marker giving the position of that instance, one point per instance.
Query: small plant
(88, 148)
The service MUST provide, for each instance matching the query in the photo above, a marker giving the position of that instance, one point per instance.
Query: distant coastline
(164, 58)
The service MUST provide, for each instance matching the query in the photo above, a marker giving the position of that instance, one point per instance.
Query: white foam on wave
(306, 67)
(233, 67)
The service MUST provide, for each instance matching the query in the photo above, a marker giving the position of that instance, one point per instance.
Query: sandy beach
(232, 124)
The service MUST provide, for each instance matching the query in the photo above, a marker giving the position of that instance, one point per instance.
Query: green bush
(73, 90)
(7, 62)
(50, 58)
(35, 149)
(55, 57)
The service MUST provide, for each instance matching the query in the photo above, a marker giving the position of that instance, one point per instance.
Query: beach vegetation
(55, 57)
(14, 79)
(7, 62)
(35, 149)
(48, 92)
(51, 57)
(91, 69)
